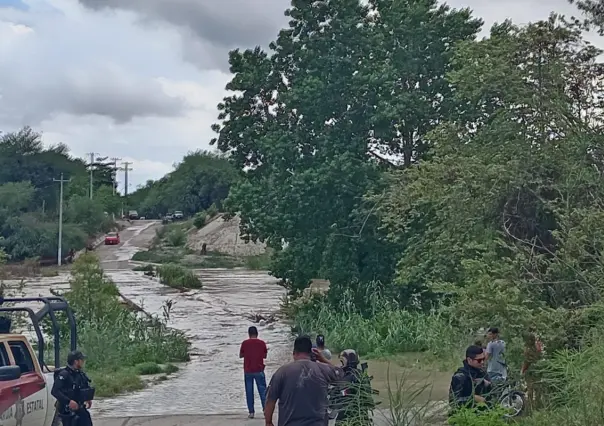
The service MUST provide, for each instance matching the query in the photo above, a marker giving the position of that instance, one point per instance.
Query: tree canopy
(313, 120)
(201, 179)
(29, 197)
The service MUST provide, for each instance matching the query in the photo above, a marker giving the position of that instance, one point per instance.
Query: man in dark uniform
(72, 391)
(469, 384)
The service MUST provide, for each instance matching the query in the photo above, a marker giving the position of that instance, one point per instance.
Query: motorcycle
(511, 398)
(352, 397)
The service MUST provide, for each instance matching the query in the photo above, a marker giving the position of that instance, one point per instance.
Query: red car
(112, 238)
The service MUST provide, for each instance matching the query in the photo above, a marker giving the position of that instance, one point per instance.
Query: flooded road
(214, 318)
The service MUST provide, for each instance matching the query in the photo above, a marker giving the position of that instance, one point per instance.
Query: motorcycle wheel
(515, 401)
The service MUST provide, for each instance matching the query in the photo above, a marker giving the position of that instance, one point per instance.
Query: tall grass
(380, 330)
(116, 339)
(176, 276)
(570, 388)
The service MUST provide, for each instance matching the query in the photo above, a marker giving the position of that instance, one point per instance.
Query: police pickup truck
(25, 380)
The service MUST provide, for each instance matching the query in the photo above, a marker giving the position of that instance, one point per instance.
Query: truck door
(32, 397)
(7, 396)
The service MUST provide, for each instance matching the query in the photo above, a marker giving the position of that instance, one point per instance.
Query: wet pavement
(209, 389)
(214, 318)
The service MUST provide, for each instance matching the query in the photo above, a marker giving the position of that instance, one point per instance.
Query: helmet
(75, 356)
(349, 358)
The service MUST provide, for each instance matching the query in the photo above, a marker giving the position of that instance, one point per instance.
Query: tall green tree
(504, 219)
(339, 88)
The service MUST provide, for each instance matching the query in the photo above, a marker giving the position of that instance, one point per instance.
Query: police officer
(73, 393)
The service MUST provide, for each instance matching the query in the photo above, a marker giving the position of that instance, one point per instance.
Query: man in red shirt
(253, 351)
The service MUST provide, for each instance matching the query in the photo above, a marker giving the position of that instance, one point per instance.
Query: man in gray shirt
(301, 388)
(496, 366)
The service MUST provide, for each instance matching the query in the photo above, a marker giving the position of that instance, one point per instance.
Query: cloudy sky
(140, 79)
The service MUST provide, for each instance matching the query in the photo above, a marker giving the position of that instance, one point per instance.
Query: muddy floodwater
(215, 320)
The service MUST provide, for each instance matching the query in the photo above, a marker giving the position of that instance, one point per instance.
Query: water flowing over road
(214, 318)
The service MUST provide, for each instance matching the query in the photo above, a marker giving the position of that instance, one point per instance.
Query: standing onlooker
(253, 351)
(321, 347)
(497, 369)
(301, 388)
(533, 352)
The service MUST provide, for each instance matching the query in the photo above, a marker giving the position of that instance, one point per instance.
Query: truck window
(4, 361)
(22, 356)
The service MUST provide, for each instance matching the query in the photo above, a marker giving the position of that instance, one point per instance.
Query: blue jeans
(260, 379)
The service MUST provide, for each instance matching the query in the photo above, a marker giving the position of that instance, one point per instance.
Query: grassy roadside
(122, 347)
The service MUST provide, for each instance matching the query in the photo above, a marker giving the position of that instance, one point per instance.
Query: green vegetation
(29, 198)
(129, 344)
(152, 368)
(491, 213)
(200, 181)
(169, 247)
(177, 276)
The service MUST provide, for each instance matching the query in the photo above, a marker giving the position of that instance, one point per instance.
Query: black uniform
(72, 385)
(465, 383)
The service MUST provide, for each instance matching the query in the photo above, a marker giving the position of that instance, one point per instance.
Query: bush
(115, 338)
(212, 211)
(176, 276)
(177, 238)
(469, 417)
(199, 220)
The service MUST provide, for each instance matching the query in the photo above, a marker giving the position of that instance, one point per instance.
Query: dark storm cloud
(224, 23)
(103, 92)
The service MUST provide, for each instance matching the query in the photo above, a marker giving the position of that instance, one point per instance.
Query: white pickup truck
(25, 380)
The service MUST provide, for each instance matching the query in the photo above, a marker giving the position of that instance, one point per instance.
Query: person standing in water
(254, 352)
(321, 347)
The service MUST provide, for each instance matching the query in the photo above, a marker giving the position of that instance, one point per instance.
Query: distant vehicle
(167, 219)
(133, 215)
(178, 215)
(112, 238)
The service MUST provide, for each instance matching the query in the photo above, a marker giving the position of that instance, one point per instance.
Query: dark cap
(75, 356)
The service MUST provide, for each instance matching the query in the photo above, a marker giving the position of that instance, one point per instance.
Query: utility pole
(126, 164)
(115, 169)
(91, 154)
(59, 251)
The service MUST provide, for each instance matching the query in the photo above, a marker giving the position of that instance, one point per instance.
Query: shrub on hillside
(212, 211)
(200, 219)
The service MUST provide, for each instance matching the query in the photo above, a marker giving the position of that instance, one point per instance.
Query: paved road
(133, 239)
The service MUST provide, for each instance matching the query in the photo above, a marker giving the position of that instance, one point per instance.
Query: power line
(59, 250)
